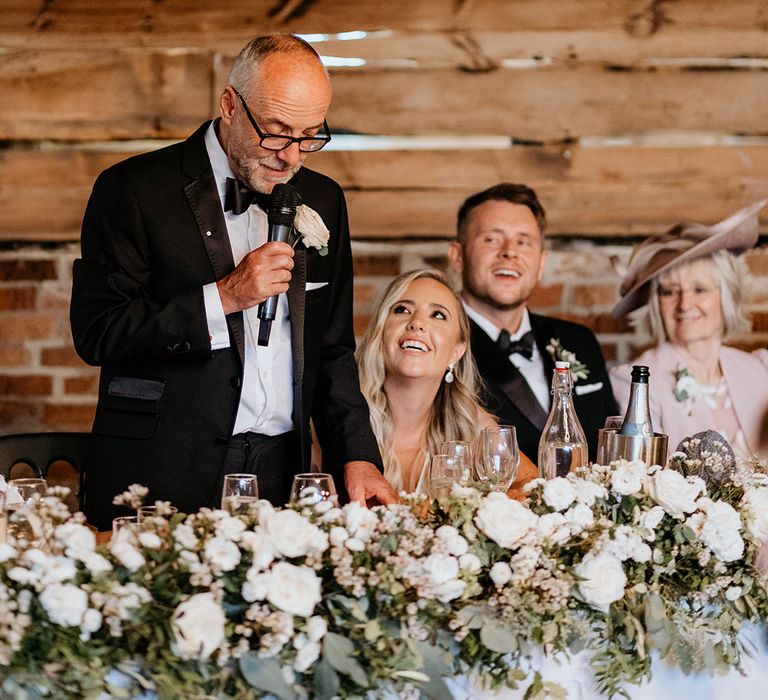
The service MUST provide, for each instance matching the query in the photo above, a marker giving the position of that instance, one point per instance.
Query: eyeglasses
(275, 142)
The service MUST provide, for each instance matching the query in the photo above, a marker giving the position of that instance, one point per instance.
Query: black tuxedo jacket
(153, 234)
(507, 395)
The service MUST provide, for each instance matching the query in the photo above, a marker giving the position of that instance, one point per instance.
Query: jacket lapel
(296, 305)
(500, 371)
(204, 201)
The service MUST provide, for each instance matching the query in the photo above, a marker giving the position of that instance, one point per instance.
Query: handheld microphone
(282, 211)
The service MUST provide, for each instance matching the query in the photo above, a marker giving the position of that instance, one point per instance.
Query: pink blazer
(745, 374)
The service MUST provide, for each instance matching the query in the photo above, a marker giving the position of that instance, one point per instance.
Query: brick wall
(45, 386)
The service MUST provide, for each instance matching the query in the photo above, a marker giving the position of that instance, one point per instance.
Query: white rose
(603, 580)
(125, 553)
(446, 532)
(673, 492)
(96, 564)
(261, 546)
(588, 491)
(306, 656)
(441, 568)
(293, 589)
(470, 563)
(222, 553)
(360, 521)
(150, 540)
(354, 544)
(185, 536)
(292, 535)
(91, 622)
(450, 590)
(755, 513)
(6, 552)
(720, 531)
(338, 536)
(316, 628)
(505, 521)
(78, 539)
(652, 517)
(255, 587)
(65, 604)
(501, 573)
(579, 517)
(552, 527)
(230, 528)
(198, 627)
(558, 493)
(641, 552)
(58, 570)
(456, 546)
(627, 478)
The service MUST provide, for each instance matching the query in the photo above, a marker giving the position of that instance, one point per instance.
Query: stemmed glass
(499, 456)
(313, 487)
(239, 491)
(444, 472)
(461, 451)
(21, 493)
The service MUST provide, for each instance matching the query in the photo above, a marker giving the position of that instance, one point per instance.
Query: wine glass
(444, 471)
(311, 488)
(460, 450)
(20, 524)
(123, 521)
(499, 456)
(239, 491)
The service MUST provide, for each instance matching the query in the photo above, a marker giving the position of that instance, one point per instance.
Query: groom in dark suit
(175, 262)
(500, 253)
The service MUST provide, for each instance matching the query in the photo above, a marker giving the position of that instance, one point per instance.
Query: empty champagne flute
(444, 471)
(123, 521)
(239, 492)
(312, 487)
(499, 456)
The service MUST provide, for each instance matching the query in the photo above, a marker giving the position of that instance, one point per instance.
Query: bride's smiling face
(421, 332)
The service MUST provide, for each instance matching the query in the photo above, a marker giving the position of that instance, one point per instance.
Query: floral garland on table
(321, 601)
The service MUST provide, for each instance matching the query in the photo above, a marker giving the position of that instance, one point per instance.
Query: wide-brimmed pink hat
(683, 243)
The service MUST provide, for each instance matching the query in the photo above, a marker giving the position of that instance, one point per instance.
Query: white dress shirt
(533, 369)
(266, 399)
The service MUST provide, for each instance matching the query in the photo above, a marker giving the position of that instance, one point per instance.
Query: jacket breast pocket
(130, 408)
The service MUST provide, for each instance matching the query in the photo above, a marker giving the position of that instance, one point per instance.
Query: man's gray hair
(256, 50)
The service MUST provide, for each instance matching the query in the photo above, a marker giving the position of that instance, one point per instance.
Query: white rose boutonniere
(314, 232)
(559, 354)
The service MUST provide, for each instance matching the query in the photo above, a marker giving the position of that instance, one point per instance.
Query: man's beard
(486, 297)
(251, 171)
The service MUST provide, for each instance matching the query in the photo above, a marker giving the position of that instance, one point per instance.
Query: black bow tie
(523, 346)
(239, 197)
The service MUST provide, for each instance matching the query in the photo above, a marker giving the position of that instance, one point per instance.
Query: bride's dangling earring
(449, 374)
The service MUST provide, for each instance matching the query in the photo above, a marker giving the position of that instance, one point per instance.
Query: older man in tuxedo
(500, 254)
(175, 262)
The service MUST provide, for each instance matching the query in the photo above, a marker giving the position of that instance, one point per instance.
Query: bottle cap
(640, 373)
(562, 365)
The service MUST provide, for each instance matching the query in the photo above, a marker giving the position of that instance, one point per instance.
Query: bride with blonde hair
(419, 379)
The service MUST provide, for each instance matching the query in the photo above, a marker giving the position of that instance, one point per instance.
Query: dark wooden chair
(58, 457)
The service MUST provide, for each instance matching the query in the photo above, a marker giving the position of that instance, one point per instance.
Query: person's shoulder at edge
(564, 327)
(757, 357)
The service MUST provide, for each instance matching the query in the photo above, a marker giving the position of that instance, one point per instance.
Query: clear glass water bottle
(637, 419)
(563, 445)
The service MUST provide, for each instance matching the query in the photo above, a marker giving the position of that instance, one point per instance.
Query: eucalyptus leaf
(326, 680)
(337, 651)
(437, 666)
(265, 675)
(497, 636)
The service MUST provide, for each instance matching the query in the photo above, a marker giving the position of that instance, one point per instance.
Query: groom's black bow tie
(523, 346)
(239, 197)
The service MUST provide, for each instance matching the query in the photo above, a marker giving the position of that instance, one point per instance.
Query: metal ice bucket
(612, 445)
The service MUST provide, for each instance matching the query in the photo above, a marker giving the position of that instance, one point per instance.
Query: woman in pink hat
(686, 287)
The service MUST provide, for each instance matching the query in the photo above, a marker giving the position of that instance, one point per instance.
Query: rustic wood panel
(157, 20)
(120, 94)
(163, 93)
(396, 194)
